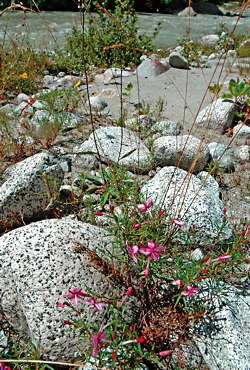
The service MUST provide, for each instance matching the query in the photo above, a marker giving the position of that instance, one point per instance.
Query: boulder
(210, 40)
(181, 151)
(217, 116)
(165, 128)
(151, 67)
(187, 12)
(25, 192)
(39, 264)
(176, 60)
(241, 131)
(242, 153)
(97, 104)
(224, 338)
(223, 156)
(194, 200)
(118, 145)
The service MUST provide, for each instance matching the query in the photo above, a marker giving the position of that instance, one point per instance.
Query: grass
(154, 254)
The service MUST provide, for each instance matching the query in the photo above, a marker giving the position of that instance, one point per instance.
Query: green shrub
(111, 38)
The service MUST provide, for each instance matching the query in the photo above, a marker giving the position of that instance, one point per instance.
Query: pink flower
(98, 213)
(165, 353)
(191, 290)
(92, 302)
(98, 339)
(136, 226)
(132, 251)
(62, 305)
(161, 212)
(145, 206)
(177, 222)
(74, 295)
(224, 257)
(153, 251)
(177, 282)
(146, 272)
(129, 291)
(3, 367)
(140, 340)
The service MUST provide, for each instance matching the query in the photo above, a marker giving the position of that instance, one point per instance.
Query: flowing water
(48, 29)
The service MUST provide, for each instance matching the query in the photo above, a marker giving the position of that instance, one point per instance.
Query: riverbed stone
(242, 153)
(97, 104)
(25, 192)
(21, 97)
(193, 200)
(223, 156)
(40, 262)
(224, 338)
(241, 131)
(176, 60)
(119, 145)
(210, 40)
(165, 128)
(218, 115)
(182, 151)
(187, 12)
(151, 67)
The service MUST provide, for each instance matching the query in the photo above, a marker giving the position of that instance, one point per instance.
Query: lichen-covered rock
(118, 145)
(25, 191)
(217, 116)
(224, 338)
(39, 263)
(195, 201)
(182, 151)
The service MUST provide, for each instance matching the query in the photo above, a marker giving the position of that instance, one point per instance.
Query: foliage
(21, 68)
(111, 38)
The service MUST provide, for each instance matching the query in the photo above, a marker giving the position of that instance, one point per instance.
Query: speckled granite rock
(217, 116)
(224, 340)
(186, 151)
(166, 128)
(118, 145)
(24, 191)
(187, 197)
(38, 265)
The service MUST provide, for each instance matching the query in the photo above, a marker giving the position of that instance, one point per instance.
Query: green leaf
(104, 198)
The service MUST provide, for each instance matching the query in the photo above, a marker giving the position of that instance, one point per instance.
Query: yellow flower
(78, 83)
(23, 75)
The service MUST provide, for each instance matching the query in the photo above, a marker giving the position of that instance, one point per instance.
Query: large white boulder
(39, 263)
(181, 151)
(194, 200)
(217, 116)
(224, 337)
(118, 145)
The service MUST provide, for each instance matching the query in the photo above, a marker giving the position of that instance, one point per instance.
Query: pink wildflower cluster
(152, 251)
(75, 294)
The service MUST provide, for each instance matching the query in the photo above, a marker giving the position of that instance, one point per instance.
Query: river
(48, 29)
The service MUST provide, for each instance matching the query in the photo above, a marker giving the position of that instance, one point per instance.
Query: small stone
(176, 60)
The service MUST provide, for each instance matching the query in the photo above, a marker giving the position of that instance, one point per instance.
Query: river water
(48, 29)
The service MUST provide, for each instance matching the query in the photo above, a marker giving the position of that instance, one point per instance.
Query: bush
(111, 38)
